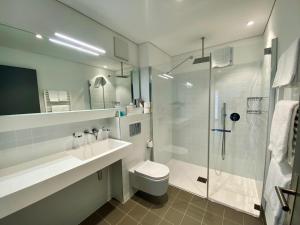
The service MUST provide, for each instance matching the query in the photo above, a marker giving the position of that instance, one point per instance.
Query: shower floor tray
(231, 190)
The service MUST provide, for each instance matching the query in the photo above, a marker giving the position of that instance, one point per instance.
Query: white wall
(139, 145)
(150, 55)
(49, 16)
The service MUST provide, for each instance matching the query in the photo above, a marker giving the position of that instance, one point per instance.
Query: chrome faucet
(94, 132)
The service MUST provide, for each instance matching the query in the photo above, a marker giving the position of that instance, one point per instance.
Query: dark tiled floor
(176, 208)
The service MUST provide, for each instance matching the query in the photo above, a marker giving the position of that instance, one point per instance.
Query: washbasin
(98, 149)
(34, 180)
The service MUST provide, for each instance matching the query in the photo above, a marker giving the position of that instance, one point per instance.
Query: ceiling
(176, 26)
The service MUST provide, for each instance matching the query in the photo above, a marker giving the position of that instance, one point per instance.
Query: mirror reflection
(60, 73)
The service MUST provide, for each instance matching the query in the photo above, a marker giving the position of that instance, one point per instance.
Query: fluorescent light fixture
(162, 76)
(100, 50)
(250, 23)
(38, 36)
(72, 46)
(168, 76)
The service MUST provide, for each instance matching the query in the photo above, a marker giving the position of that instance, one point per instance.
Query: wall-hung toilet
(150, 177)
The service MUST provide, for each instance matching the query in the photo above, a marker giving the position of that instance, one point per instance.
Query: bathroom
(149, 112)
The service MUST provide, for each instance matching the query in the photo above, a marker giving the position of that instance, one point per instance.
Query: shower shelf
(255, 105)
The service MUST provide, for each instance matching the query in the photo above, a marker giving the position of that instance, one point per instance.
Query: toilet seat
(152, 170)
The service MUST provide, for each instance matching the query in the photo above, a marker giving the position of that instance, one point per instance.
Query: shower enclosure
(210, 129)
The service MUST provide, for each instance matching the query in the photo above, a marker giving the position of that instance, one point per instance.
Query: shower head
(122, 72)
(202, 59)
(99, 81)
(122, 76)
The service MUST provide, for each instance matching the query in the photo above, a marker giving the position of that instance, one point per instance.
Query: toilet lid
(152, 170)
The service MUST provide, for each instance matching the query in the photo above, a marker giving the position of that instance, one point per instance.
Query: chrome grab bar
(283, 202)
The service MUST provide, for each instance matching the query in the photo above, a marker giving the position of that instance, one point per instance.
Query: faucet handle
(77, 134)
(105, 129)
(95, 130)
(86, 131)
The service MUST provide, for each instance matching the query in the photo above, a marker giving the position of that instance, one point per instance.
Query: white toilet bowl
(150, 177)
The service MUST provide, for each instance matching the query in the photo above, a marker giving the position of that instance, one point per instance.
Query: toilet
(150, 177)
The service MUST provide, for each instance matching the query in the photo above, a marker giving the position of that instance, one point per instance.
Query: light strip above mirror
(73, 46)
(168, 76)
(65, 37)
(162, 76)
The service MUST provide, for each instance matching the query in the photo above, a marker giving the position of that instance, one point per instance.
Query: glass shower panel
(180, 125)
(239, 117)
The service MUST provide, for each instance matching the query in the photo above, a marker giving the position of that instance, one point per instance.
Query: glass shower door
(180, 125)
(239, 104)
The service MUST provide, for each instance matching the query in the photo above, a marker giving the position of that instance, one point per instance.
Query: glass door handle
(280, 194)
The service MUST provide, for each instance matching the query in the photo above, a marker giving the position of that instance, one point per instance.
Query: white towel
(60, 108)
(280, 129)
(53, 96)
(279, 174)
(287, 65)
(63, 96)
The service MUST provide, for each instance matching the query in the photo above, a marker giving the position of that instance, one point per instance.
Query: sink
(97, 149)
(24, 184)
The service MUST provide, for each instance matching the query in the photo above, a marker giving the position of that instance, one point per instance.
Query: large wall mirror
(60, 73)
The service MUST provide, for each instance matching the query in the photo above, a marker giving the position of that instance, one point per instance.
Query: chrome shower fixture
(203, 59)
(99, 81)
(122, 72)
(168, 75)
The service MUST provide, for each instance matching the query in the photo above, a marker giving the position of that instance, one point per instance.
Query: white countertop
(29, 182)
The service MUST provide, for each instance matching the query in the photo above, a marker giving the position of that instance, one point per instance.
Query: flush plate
(135, 129)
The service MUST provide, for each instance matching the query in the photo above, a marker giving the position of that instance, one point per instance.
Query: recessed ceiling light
(105, 67)
(39, 36)
(72, 46)
(100, 50)
(250, 23)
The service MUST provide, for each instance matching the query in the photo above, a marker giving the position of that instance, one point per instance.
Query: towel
(60, 108)
(53, 96)
(280, 128)
(279, 174)
(63, 96)
(287, 65)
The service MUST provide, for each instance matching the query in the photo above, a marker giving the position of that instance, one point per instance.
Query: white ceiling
(176, 26)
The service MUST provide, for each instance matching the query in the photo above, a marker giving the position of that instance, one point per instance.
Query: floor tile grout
(186, 202)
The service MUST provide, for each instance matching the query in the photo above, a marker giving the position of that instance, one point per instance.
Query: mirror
(60, 73)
